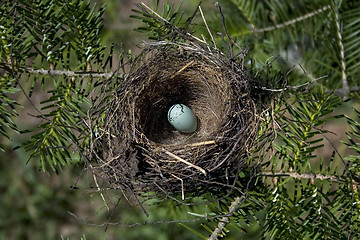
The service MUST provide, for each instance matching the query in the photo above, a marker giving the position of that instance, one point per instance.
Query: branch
(293, 21)
(51, 72)
(225, 219)
(310, 176)
(68, 73)
(301, 176)
(290, 87)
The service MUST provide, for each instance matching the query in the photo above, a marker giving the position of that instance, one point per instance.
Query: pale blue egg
(182, 118)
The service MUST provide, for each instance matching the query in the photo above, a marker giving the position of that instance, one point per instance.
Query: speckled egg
(182, 118)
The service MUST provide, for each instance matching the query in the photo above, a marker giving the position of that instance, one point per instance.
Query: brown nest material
(140, 151)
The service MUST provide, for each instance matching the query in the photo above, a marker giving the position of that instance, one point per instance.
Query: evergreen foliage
(61, 40)
(155, 28)
(304, 56)
(306, 196)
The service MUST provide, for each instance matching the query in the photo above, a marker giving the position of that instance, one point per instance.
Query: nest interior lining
(202, 94)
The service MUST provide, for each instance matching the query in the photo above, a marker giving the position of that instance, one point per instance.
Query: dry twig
(225, 220)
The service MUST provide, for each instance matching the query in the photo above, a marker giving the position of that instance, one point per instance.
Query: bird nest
(141, 151)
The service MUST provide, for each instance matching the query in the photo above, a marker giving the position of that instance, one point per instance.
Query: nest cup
(142, 152)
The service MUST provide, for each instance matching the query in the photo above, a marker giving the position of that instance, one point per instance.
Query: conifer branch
(225, 220)
(293, 21)
(68, 73)
(53, 72)
(310, 176)
(300, 176)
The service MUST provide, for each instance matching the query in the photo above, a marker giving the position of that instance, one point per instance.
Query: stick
(225, 219)
(182, 186)
(186, 162)
(167, 22)
(182, 69)
(200, 143)
(207, 27)
(224, 28)
(100, 192)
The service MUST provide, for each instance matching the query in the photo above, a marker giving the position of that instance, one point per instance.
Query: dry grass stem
(186, 162)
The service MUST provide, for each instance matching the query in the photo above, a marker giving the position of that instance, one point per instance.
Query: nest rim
(144, 158)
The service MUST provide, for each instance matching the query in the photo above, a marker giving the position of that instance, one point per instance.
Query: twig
(100, 191)
(207, 27)
(291, 87)
(182, 69)
(170, 24)
(155, 13)
(267, 64)
(225, 219)
(293, 21)
(112, 135)
(224, 28)
(190, 19)
(134, 224)
(186, 162)
(200, 143)
(182, 186)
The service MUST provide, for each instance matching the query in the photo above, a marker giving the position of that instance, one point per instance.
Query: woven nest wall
(142, 152)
